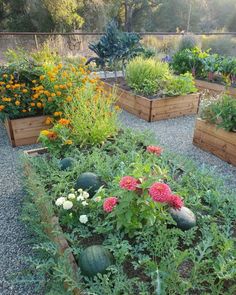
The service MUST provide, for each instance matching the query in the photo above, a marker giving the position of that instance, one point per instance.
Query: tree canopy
(137, 15)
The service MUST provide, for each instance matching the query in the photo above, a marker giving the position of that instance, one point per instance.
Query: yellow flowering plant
(90, 118)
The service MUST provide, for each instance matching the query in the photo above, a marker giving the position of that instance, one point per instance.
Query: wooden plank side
(176, 100)
(139, 113)
(172, 114)
(217, 141)
(26, 141)
(28, 122)
(215, 87)
(224, 135)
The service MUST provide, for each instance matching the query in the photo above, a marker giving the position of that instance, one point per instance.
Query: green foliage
(221, 112)
(152, 77)
(115, 46)
(187, 42)
(159, 257)
(180, 85)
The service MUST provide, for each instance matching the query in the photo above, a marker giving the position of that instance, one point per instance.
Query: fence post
(36, 42)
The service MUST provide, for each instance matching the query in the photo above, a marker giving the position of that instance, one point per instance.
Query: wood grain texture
(155, 109)
(216, 141)
(25, 131)
(214, 87)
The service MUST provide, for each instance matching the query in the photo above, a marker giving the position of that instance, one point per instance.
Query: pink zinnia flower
(157, 150)
(176, 202)
(109, 204)
(160, 192)
(129, 183)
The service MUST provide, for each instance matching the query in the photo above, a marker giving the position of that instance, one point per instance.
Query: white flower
(80, 198)
(80, 190)
(83, 218)
(84, 203)
(85, 195)
(67, 205)
(60, 201)
(71, 196)
(97, 199)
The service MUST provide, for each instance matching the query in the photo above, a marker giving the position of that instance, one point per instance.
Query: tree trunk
(128, 16)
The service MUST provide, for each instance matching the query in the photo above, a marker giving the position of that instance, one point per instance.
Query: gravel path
(13, 234)
(177, 135)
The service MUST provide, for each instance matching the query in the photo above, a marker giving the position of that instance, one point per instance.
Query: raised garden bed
(155, 109)
(26, 130)
(215, 87)
(215, 140)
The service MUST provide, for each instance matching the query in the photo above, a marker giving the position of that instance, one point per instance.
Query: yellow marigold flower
(32, 104)
(11, 77)
(6, 99)
(59, 66)
(52, 79)
(2, 83)
(15, 95)
(34, 81)
(42, 77)
(8, 86)
(62, 86)
(35, 96)
(69, 98)
(17, 103)
(68, 142)
(57, 114)
(39, 105)
(41, 92)
(48, 121)
(56, 87)
(24, 90)
(53, 94)
(47, 93)
(10, 82)
(117, 108)
(5, 75)
(2, 107)
(17, 85)
(64, 121)
(24, 111)
(44, 132)
(58, 93)
(69, 84)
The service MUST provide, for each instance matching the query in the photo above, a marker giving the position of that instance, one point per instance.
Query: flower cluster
(73, 200)
(161, 192)
(157, 150)
(129, 183)
(109, 204)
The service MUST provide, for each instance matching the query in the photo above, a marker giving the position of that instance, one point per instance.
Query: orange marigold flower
(35, 96)
(5, 75)
(32, 104)
(52, 135)
(58, 93)
(42, 77)
(69, 98)
(2, 107)
(17, 103)
(24, 111)
(57, 114)
(68, 142)
(39, 105)
(64, 121)
(53, 94)
(48, 121)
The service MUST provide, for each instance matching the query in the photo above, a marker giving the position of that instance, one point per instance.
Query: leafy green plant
(221, 112)
(147, 76)
(180, 85)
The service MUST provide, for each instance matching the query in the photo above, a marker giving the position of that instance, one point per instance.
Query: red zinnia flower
(157, 150)
(129, 183)
(109, 204)
(176, 202)
(160, 192)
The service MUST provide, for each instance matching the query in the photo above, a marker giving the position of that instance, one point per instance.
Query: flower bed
(131, 216)
(154, 110)
(215, 140)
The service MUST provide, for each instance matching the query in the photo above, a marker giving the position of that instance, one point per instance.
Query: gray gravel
(13, 234)
(177, 135)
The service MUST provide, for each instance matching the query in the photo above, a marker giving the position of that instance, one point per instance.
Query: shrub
(221, 112)
(89, 118)
(180, 85)
(147, 76)
(152, 77)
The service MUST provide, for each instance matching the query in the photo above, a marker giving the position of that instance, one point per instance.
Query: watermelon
(89, 182)
(66, 163)
(184, 218)
(94, 259)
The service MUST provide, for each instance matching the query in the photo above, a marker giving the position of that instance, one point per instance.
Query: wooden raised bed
(26, 130)
(215, 140)
(155, 109)
(214, 87)
(50, 221)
